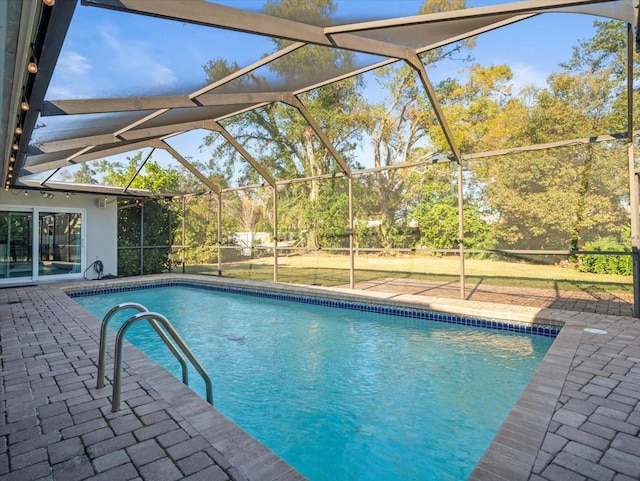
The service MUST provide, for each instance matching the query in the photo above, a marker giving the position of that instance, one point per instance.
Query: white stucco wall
(101, 240)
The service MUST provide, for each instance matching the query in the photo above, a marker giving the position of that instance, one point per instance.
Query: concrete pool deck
(579, 417)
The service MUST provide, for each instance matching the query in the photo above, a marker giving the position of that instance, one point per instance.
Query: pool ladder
(155, 320)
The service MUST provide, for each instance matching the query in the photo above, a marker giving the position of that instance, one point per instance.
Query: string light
(32, 67)
(24, 105)
(18, 130)
(49, 3)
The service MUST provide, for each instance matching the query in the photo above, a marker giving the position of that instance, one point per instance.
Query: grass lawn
(333, 270)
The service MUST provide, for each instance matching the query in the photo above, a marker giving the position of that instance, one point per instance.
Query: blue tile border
(414, 313)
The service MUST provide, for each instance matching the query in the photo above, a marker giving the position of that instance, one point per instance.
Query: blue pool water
(343, 394)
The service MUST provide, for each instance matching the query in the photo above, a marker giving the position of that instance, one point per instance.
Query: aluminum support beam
(219, 234)
(142, 237)
(417, 65)
(108, 140)
(295, 102)
(213, 15)
(184, 236)
(188, 165)
(111, 105)
(515, 8)
(44, 162)
(216, 127)
(634, 197)
(463, 293)
(352, 265)
(220, 16)
(142, 164)
(275, 234)
(250, 68)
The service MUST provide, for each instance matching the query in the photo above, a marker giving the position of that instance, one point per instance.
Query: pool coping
(514, 449)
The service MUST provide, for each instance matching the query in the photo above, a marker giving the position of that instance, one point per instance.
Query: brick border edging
(513, 451)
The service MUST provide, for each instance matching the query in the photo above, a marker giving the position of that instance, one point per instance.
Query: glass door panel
(15, 244)
(59, 243)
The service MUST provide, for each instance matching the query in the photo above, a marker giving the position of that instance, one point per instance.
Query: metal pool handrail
(156, 327)
(158, 318)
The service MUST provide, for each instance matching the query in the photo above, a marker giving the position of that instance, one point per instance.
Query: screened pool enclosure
(245, 135)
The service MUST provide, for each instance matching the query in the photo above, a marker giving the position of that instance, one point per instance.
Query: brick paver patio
(578, 419)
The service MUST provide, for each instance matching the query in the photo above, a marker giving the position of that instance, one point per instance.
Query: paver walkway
(595, 427)
(593, 300)
(578, 419)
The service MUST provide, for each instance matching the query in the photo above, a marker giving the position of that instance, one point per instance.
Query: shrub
(157, 234)
(605, 264)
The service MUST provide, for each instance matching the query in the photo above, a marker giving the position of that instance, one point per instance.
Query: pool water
(342, 394)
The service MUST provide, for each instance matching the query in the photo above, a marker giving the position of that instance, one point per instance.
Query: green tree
(605, 54)
(559, 198)
(145, 226)
(153, 177)
(399, 126)
(436, 215)
(482, 111)
(279, 137)
(84, 175)
(201, 229)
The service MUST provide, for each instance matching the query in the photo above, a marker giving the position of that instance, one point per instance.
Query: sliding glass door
(16, 244)
(37, 243)
(59, 243)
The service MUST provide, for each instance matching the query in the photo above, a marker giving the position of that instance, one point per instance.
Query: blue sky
(105, 50)
(107, 53)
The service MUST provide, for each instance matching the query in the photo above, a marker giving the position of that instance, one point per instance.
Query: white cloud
(73, 63)
(108, 35)
(524, 74)
(70, 77)
(161, 74)
(136, 58)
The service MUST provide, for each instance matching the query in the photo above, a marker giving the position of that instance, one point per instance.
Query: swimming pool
(341, 393)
